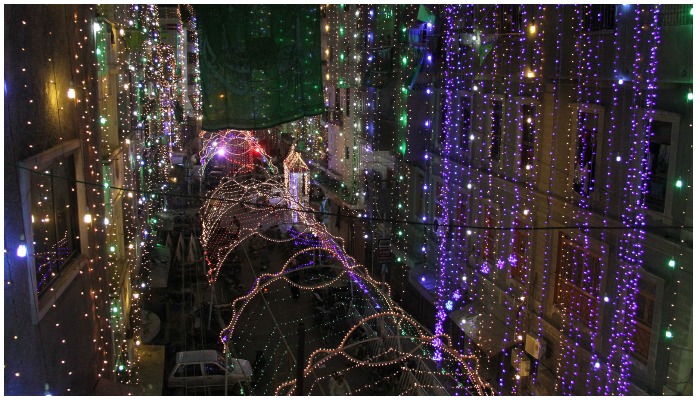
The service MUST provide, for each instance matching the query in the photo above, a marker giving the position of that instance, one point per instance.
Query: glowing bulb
(87, 218)
(96, 26)
(22, 248)
(620, 81)
(533, 29)
(618, 158)
(669, 334)
(679, 183)
(690, 96)
(121, 31)
(106, 221)
(672, 263)
(526, 212)
(606, 299)
(71, 91)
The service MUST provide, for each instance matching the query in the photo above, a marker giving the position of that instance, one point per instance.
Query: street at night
(348, 199)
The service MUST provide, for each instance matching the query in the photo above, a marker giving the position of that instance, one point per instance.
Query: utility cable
(369, 218)
(582, 227)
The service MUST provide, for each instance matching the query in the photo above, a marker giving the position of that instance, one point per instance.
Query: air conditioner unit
(535, 347)
(520, 361)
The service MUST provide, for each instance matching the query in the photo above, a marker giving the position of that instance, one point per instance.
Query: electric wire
(582, 227)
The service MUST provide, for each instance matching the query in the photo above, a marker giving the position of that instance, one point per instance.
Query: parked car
(204, 369)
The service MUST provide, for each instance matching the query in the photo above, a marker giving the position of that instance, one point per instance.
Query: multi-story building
(521, 175)
(541, 189)
(58, 337)
(95, 112)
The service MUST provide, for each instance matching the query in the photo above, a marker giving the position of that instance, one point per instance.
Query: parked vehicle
(205, 369)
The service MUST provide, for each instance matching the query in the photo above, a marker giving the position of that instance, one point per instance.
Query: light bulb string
(583, 227)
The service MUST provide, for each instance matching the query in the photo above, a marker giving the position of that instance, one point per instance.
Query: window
(585, 156)
(347, 101)
(442, 101)
(466, 125)
(420, 199)
(488, 244)
(179, 371)
(54, 214)
(646, 296)
(511, 18)
(496, 129)
(659, 158)
(577, 280)
(527, 140)
(193, 370)
(439, 210)
(51, 203)
(213, 369)
(518, 260)
(599, 17)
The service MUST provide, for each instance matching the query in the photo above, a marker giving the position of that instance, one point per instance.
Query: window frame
(655, 327)
(521, 258)
(595, 249)
(675, 120)
(40, 304)
(519, 128)
(488, 209)
(490, 99)
(463, 141)
(599, 111)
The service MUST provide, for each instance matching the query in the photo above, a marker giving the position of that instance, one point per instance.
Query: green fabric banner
(260, 65)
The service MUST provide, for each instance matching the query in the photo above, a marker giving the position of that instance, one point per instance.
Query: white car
(203, 369)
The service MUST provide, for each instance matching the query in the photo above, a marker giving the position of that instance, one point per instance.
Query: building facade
(97, 111)
(538, 200)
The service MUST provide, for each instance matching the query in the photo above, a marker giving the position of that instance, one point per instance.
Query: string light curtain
(260, 64)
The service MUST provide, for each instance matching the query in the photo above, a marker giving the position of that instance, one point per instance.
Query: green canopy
(260, 65)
